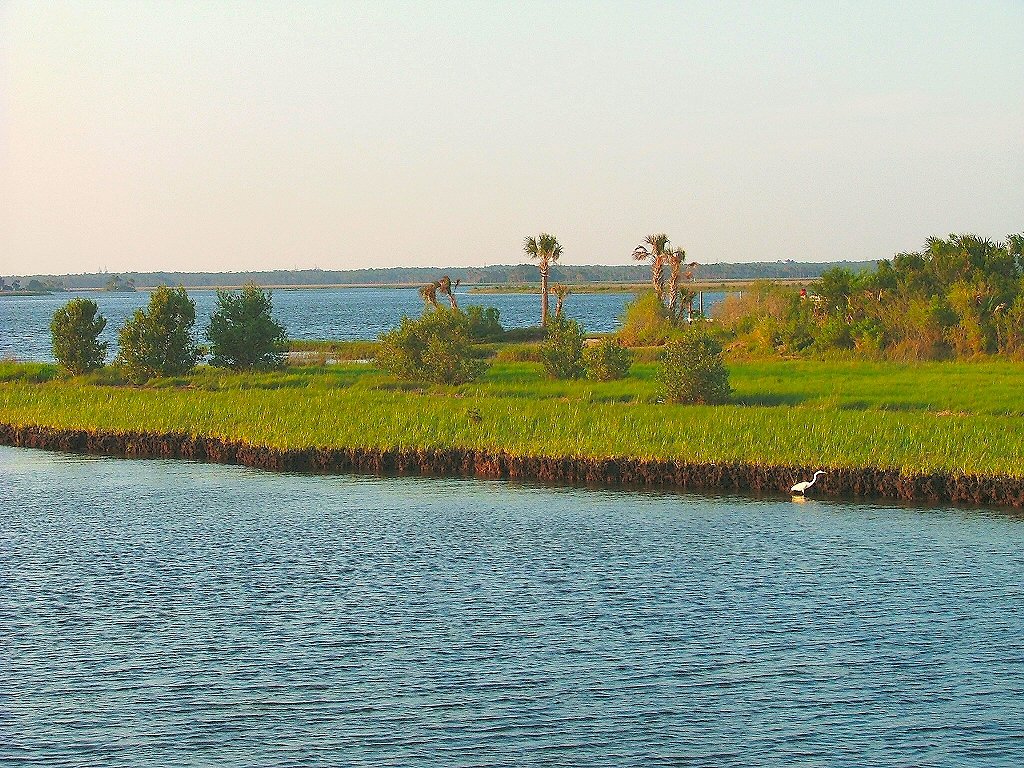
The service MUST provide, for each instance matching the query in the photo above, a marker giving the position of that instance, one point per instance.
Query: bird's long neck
(815, 478)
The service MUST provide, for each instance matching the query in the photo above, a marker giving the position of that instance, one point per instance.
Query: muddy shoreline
(610, 473)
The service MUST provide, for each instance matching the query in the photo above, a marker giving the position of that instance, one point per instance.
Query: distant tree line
(499, 274)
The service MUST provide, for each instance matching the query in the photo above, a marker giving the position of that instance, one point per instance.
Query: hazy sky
(221, 136)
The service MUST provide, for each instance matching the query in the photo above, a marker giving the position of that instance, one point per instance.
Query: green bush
(646, 322)
(435, 348)
(692, 370)
(562, 350)
(607, 360)
(484, 323)
(76, 329)
(243, 332)
(159, 341)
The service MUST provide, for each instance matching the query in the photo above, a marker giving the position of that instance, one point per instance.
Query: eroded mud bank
(865, 482)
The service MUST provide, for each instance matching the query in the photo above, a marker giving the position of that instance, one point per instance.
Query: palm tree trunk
(657, 278)
(673, 289)
(543, 293)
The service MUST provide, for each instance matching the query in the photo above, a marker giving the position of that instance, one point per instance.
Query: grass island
(949, 431)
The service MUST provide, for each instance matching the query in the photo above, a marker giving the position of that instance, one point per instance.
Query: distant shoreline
(486, 288)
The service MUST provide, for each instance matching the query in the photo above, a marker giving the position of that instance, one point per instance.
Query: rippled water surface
(311, 313)
(164, 614)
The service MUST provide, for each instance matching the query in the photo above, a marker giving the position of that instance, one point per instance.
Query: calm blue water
(160, 613)
(312, 313)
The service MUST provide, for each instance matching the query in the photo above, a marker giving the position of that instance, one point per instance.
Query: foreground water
(307, 313)
(165, 613)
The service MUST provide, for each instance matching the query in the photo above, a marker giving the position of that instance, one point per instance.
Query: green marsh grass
(960, 417)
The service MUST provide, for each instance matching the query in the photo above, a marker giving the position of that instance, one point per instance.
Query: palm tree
(676, 259)
(445, 286)
(429, 295)
(561, 291)
(655, 248)
(546, 249)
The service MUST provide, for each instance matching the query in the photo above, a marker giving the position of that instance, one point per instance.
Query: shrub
(645, 322)
(484, 323)
(76, 329)
(562, 350)
(243, 332)
(607, 360)
(159, 341)
(692, 370)
(435, 348)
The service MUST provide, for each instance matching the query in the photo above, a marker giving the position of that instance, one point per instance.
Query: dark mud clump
(865, 482)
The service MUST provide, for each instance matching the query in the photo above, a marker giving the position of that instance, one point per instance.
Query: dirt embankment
(612, 472)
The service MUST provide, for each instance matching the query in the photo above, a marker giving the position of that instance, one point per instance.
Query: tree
(445, 286)
(561, 292)
(76, 328)
(159, 341)
(484, 323)
(676, 260)
(607, 360)
(655, 248)
(645, 321)
(562, 350)
(429, 295)
(435, 348)
(243, 332)
(545, 249)
(692, 370)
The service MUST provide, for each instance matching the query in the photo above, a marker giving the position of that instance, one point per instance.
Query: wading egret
(801, 488)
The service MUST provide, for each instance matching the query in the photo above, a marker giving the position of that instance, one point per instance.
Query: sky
(216, 136)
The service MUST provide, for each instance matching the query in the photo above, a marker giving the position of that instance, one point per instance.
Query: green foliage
(526, 352)
(436, 348)
(159, 341)
(607, 360)
(76, 329)
(834, 290)
(562, 350)
(692, 370)
(956, 297)
(30, 372)
(911, 417)
(243, 332)
(484, 323)
(646, 321)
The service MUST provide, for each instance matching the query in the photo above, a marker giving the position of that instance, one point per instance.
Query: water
(158, 613)
(310, 313)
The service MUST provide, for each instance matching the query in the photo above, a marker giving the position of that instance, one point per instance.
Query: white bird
(801, 488)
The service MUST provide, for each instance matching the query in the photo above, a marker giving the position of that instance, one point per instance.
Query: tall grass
(936, 416)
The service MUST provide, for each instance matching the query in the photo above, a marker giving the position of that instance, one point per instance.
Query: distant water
(309, 313)
(158, 613)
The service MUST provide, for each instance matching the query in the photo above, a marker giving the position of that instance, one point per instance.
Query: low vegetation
(607, 360)
(562, 351)
(944, 416)
(959, 297)
(435, 348)
(692, 369)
